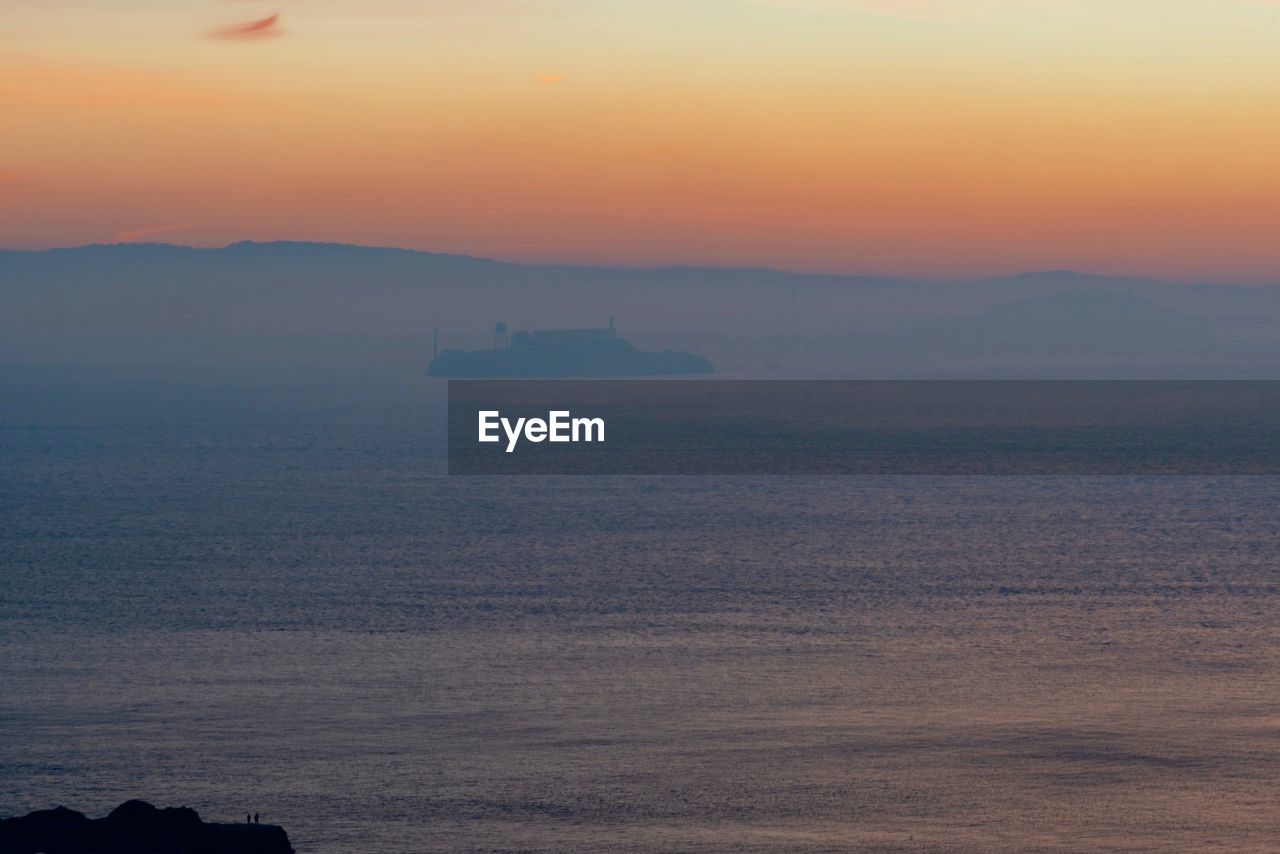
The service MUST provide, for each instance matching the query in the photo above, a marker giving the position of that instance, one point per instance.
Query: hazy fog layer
(337, 307)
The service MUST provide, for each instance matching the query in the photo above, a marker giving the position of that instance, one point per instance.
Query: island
(563, 353)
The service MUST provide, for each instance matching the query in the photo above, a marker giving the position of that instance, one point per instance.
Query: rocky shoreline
(136, 827)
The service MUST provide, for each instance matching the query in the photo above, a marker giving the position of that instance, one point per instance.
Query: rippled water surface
(263, 596)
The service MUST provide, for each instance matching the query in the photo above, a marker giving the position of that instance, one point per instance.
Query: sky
(947, 138)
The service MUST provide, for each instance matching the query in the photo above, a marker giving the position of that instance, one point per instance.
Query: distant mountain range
(328, 305)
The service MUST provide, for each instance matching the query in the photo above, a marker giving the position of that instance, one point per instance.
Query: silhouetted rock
(136, 827)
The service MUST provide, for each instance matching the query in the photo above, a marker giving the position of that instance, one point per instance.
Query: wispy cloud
(549, 79)
(137, 234)
(267, 27)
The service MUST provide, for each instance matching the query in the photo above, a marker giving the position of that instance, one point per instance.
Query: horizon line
(1017, 274)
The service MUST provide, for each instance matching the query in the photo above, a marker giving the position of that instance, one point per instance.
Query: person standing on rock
(255, 818)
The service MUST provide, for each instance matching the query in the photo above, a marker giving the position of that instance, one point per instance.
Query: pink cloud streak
(268, 27)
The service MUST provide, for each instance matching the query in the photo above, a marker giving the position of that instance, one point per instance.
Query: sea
(263, 594)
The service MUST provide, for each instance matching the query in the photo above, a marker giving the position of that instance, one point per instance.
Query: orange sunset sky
(905, 137)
